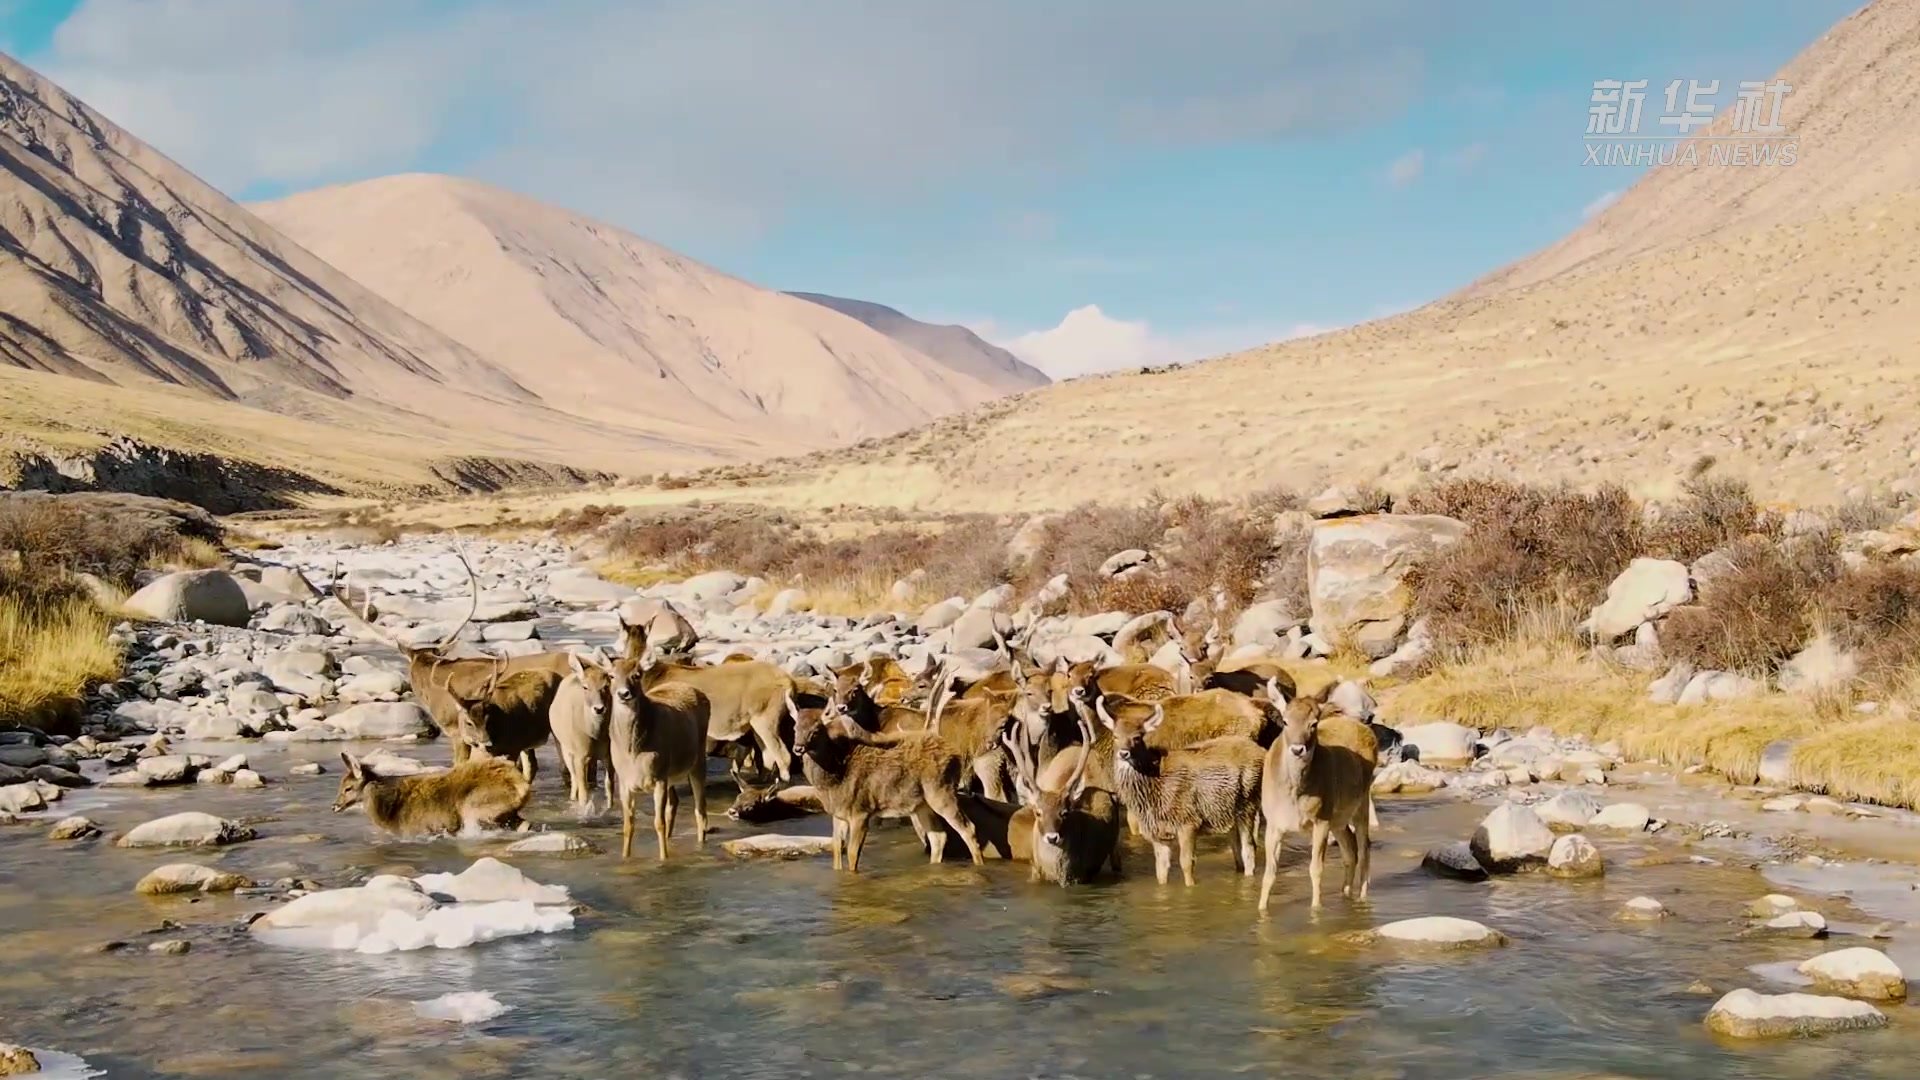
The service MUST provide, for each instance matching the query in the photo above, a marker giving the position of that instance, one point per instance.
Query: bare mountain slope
(604, 324)
(1762, 318)
(955, 346)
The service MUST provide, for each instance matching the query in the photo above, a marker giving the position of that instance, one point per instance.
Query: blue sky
(1098, 183)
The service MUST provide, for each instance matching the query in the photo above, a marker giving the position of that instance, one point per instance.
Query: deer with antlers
(1074, 827)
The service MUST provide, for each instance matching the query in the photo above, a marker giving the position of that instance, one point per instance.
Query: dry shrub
(1875, 611)
(110, 536)
(1864, 515)
(963, 554)
(1710, 514)
(1210, 551)
(1529, 549)
(1759, 611)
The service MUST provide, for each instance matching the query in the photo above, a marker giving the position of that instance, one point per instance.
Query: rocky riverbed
(180, 901)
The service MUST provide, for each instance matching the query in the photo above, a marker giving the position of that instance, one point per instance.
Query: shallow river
(708, 967)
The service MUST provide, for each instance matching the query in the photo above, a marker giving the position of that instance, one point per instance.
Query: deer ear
(1275, 696)
(1153, 722)
(1099, 707)
(353, 767)
(573, 663)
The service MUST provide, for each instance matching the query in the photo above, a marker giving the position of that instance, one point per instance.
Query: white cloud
(679, 115)
(1088, 340)
(1407, 168)
(1605, 199)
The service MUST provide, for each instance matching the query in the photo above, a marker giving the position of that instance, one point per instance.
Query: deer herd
(1043, 763)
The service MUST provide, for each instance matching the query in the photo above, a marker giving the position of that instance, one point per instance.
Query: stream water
(711, 967)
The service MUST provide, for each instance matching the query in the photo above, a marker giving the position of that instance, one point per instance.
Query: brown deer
(657, 737)
(468, 797)
(767, 803)
(441, 682)
(1319, 774)
(580, 717)
(861, 775)
(1173, 795)
(746, 698)
(509, 717)
(1075, 829)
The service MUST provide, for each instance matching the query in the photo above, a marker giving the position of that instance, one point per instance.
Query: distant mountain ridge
(955, 346)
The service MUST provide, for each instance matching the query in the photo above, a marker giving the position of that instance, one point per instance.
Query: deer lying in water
(470, 796)
(1173, 795)
(657, 737)
(1074, 828)
(1319, 775)
(861, 775)
(441, 682)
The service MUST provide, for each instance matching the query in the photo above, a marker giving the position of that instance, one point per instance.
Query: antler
(337, 590)
(937, 700)
(473, 582)
(1078, 781)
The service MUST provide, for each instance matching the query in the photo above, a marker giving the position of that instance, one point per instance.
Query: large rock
(1356, 571)
(1857, 972)
(1344, 500)
(1442, 742)
(712, 585)
(210, 596)
(1512, 838)
(1122, 561)
(1744, 1014)
(1626, 816)
(1263, 624)
(381, 720)
(941, 615)
(668, 630)
(189, 829)
(189, 877)
(1645, 590)
(1454, 861)
(1719, 686)
(17, 1060)
(775, 846)
(1574, 856)
(976, 628)
(1407, 778)
(21, 799)
(295, 619)
(166, 769)
(1353, 699)
(1442, 932)
(1568, 810)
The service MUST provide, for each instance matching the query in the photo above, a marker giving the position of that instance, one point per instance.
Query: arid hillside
(603, 324)
(147, 322)
(1761, 317)
(954, 346)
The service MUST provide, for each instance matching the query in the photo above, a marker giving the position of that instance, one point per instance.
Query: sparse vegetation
(54, 624)
(1758, 610)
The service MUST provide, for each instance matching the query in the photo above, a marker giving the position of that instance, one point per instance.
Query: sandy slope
(602, 323)
(955, 346)
(1765, 317)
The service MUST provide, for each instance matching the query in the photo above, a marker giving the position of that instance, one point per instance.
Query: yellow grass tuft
(49, 655)
(1869, 758)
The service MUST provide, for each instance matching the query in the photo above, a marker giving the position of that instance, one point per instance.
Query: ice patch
(464, 1007)
(55, 1065)
(393, 914)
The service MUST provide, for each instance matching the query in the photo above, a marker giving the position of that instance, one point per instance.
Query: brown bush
(1529, 549)
(1759, 611)
(1863, 515)
(107, 535)
(1875, 611)
(1710, 514)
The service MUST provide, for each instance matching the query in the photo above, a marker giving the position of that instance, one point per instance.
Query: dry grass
(1549, 682)
(51, 651)
(1759, 611)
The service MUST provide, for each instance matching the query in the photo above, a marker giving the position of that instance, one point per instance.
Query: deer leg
(660, 792)
(944, 804)
(856, 839)
(1114, 857)
(987, 769)
(1276, 833)
(1318, 863)
(1363, 840)
(1343, 835)
(1186, 836)
(766, 731)
(932, 832)
(698, 781)
(839, 839)
(1162, 858)
(629, 794)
